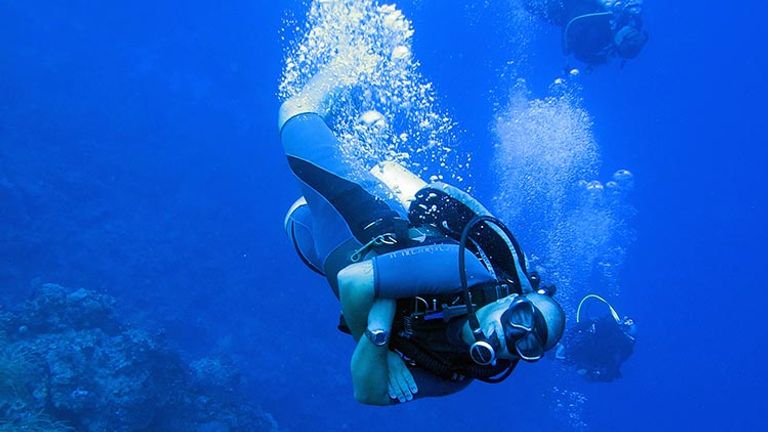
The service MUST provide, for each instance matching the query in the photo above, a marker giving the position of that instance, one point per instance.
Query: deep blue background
(139, 155)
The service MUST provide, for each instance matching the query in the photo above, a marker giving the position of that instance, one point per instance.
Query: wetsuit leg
(344, 198)
(425, 270)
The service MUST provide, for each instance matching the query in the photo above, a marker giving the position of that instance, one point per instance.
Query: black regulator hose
(473, 321)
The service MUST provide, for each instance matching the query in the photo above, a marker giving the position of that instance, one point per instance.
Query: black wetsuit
(597, 348)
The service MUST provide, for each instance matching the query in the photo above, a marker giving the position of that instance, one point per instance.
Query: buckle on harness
(386, 239)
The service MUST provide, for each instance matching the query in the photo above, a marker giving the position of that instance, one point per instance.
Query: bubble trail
(547, 159)
(575, 226)
(385, 109)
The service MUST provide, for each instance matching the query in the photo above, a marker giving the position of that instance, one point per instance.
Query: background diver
(597, 347)
(424, 325)
(594, 31)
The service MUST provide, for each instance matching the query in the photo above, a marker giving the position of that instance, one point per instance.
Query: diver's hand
(401, 384)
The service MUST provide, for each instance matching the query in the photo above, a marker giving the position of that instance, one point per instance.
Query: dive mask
(525, 330)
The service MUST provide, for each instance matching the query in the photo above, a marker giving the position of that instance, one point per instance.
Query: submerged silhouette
(597, 347)
(594, 31)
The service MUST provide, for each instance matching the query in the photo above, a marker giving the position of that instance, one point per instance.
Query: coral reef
(67, 363)
(35, 422)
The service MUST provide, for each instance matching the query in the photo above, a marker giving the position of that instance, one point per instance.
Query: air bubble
(371, 117)
(595, 188)
(624, 179)
(401, 52)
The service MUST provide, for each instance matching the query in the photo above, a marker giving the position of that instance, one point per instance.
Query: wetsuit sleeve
(425, 270)
(315, 157)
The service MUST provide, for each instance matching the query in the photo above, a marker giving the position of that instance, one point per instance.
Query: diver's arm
(379, 375)
(370, 370)
(356, 292)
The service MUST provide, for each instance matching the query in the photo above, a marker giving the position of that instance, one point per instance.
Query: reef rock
(67, 363)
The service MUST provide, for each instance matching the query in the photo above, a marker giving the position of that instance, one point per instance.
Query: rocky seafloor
(68, 363)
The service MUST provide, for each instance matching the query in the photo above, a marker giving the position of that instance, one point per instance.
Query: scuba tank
(401, 182)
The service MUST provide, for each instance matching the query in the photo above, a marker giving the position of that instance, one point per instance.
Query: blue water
(139, 156)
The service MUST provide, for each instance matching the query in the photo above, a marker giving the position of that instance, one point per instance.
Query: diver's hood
(553, 316)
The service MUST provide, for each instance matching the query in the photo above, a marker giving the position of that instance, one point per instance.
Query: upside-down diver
(434, 289)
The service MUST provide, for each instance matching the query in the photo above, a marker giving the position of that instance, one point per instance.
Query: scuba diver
(435, 290)
(597, 347)
(594, 31)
